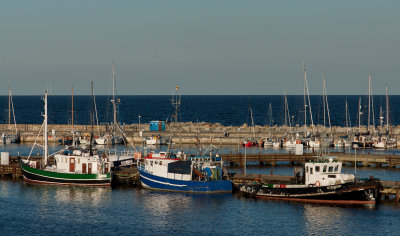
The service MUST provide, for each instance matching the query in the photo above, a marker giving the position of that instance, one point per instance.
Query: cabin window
(330, 169)
(311, 170)
(79, 160)
(331, 176)
(307, 169)
(151, 163)
(336, 168)
(160, 163)
(317, 169)
(324, 170)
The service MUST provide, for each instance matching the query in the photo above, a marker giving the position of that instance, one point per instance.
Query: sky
(206, 47)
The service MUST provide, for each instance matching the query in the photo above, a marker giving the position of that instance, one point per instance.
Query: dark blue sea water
(53, 210)
(224, 109)
(29, 209)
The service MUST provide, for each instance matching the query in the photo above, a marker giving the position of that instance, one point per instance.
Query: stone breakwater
(185, 132)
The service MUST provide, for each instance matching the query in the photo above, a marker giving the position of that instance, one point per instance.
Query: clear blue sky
(207, 46)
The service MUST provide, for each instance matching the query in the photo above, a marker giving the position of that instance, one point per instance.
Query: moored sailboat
(10, 136)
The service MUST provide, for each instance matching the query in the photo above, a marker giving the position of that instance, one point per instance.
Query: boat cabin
(325, 173)
(81, 162)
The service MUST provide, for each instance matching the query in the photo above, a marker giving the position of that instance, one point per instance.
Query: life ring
(318, 184)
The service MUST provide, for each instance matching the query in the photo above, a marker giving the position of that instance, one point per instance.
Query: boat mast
(95, 108)
(92, 118)
(327, 105)
(347, 123)
(308, 96)
(270, 114)
(9, 107)
(372, 109)
(252, 124)
(285, 105)
(113, 96)
(380, 119)
(387, 109)
(45, 130)
(72, 110)
(323, 100)
(359, 115)
(305, 101)
(369, 101)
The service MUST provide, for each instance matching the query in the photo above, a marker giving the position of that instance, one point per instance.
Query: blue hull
(160, 183)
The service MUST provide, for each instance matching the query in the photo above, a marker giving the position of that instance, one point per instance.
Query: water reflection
(320, 219)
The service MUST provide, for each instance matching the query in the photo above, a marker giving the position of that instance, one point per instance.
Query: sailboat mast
(323, 98)
(369, 100)
(359, 114)
(327, 106)
(252, 123)
(387, 109)
(113, 97)
(285, 106)
(9, 107)
(347, 123)
(72, 110)
(309, 103)
(270, 114)
(305, 101)
(45, 130)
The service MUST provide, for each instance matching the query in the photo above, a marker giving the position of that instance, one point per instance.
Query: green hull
(52, 177)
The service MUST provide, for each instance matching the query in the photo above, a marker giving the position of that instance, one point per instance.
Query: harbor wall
(185, 132)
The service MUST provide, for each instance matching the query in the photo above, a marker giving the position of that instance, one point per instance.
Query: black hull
(357, 192)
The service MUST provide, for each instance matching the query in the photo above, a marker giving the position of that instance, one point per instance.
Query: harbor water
(30, 209)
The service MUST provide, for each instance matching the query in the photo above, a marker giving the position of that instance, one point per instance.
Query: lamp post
(139, 121)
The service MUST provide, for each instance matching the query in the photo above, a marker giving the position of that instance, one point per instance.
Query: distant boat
(113, 138)
(167, 171)
(10, 136)
(157, 140)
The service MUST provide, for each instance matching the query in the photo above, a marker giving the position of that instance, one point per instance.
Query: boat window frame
(317, 169)
(311, 170)
(330, 169)
(324, 168)
(336, 168)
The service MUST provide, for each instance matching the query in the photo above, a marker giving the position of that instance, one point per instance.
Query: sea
(31, 209)
(228, 110)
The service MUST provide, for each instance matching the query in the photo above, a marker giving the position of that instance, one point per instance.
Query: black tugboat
(321, 182)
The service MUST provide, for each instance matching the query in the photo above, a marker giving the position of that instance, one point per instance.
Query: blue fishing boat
(166, 171)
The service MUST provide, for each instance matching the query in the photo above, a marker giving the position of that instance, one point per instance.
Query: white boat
(268, 142)
(276, 143)
(71, 166)
(320, 182)
(157, 140)
(314, 143)
(102, 140)
(291, 143)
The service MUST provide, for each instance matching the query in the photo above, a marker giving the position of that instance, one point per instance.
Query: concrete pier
(185, 132)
